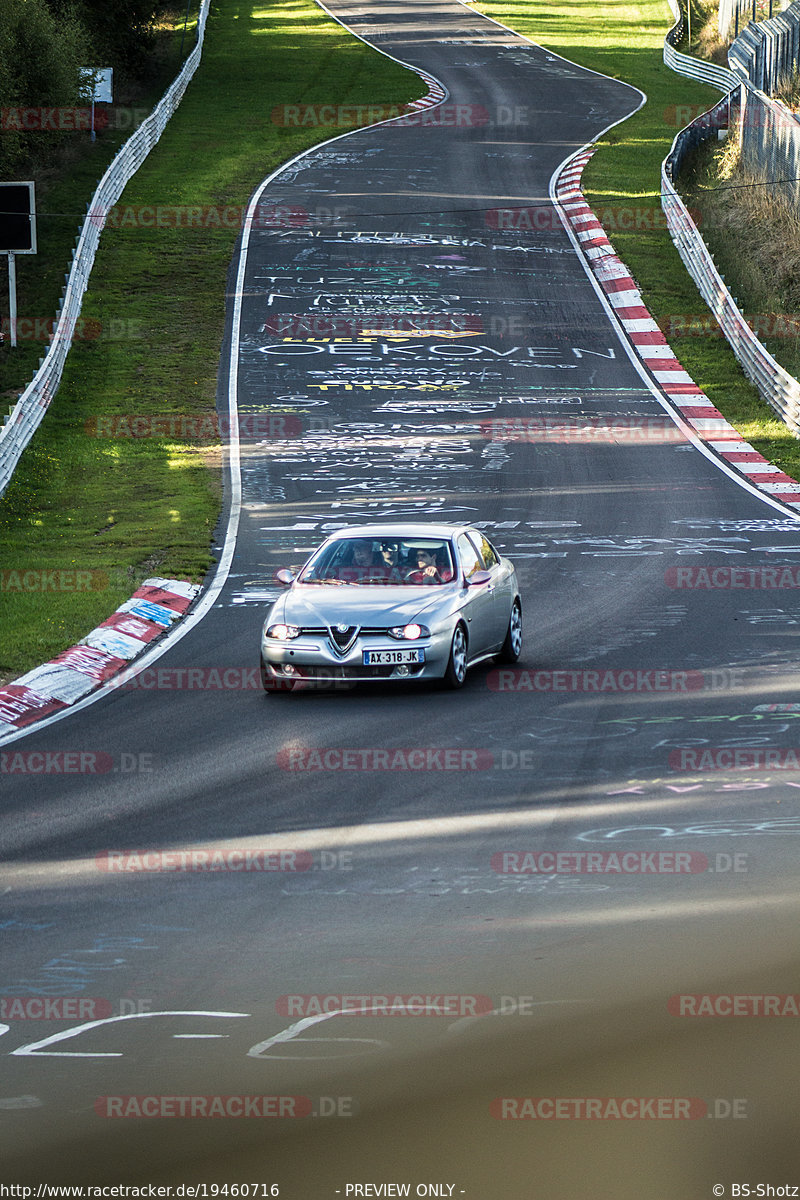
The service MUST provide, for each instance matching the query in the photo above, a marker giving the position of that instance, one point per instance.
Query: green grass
(131, 508)
(626, 41)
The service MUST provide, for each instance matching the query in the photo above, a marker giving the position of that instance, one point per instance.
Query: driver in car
(428, 569)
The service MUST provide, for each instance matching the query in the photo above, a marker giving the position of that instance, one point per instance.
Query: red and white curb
(435, 95)
(652, 347)
(73, 674)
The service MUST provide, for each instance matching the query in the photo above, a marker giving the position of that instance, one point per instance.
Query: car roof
(405, 531)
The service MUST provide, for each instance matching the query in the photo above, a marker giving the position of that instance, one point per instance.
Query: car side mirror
(284, 576)
(479, 577)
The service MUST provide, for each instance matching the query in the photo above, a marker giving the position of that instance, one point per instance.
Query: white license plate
(392, 658)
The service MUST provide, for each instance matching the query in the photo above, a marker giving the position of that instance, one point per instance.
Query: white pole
(12, 297)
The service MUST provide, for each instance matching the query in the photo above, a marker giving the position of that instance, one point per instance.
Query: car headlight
(283, 633)
(409, 633)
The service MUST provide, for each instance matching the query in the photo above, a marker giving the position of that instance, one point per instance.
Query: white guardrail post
(780, 389)
(27, 413)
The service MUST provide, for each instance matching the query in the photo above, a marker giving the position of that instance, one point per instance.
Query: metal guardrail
(694, 68)
(780, 389)
(27, 413)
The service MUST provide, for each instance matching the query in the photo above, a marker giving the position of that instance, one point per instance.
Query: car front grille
(332, 674)
(343, 641)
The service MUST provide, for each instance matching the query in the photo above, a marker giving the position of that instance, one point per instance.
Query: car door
(499, 588)
(479, 606)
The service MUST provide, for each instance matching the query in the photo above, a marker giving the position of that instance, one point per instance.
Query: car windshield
(401, 562)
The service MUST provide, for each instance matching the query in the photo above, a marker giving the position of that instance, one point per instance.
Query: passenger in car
(390, 568)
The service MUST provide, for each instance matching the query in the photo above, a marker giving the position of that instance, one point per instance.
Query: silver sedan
(393, 602)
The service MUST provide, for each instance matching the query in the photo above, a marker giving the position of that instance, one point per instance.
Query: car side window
(470, 559)
(488, 553)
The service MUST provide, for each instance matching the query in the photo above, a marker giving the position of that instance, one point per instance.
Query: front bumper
(312, 658)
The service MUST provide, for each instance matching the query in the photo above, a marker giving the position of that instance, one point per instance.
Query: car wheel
(271, 685)
(512, 646)
(456, 671)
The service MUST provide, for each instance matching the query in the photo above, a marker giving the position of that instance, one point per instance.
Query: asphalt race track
(589, 844)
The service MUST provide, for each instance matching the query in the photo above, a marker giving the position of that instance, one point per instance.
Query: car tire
(456, 672)
(273, 686)
(512, 646)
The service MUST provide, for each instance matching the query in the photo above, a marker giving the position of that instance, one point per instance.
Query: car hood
(359, 605)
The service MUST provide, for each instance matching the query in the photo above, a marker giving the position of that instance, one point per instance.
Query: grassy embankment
(750, 225)
(625, 41)
(126, 509)
(753, 231)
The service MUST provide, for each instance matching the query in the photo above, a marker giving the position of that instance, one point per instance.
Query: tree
(40, 61)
